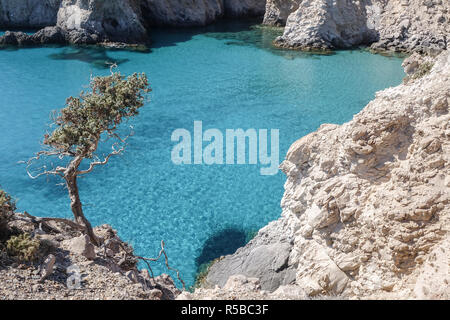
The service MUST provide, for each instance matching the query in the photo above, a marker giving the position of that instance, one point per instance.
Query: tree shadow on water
(97, 57)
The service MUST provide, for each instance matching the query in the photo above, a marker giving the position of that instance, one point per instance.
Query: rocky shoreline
(112, 22)
(366, 216)
(310, 25)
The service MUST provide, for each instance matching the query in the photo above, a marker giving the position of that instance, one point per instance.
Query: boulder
(82, 246)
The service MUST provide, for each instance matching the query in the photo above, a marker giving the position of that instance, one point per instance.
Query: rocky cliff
(403, 25)
(28, 13)
(366, 208)
(124, 21)
(182, 13)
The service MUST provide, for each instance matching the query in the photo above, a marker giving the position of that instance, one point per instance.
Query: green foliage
(23, 247)
(99, 110)
(7, 207)
(422, 70)
(202, 273)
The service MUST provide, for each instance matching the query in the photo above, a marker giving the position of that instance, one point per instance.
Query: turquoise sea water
(228, 77)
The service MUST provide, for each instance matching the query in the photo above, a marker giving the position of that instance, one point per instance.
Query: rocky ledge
(366, 208)
(403, 25)
(68, 266)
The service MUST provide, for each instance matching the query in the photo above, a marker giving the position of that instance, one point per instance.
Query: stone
(333, 24)
(265, 258)
(81, 245)
(46, 268)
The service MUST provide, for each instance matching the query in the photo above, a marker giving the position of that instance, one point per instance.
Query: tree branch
(98, 163)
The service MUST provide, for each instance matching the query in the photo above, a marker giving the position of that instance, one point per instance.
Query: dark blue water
(227, 80)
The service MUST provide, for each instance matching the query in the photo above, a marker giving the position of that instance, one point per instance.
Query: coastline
(335, 237)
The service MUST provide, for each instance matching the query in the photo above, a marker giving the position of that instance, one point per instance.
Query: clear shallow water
(227, 80)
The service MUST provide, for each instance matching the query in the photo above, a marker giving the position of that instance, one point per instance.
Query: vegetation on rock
(7, 207)
(23, 247)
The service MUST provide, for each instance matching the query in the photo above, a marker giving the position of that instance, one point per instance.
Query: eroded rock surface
(368, 202)
(108, 20)
(28, 13)
(407, 25)
(266, 257)
(277, 11)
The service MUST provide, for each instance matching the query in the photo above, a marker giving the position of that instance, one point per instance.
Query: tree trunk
(75, 204)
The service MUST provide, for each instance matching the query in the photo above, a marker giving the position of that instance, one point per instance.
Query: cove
(228, 76)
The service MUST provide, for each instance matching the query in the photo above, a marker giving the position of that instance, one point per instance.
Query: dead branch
(43, 221)
(92, 165)
(161, 252)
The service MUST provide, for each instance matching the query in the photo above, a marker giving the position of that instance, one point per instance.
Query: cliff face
(181, 13)
(127, 21)
(245, 8)
(366, 209)
(28, 13)
(406, 25)
(277, 11)
(113, 20)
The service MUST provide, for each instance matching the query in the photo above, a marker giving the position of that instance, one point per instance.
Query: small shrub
(422, 70)
(23, 247)
(7, 207)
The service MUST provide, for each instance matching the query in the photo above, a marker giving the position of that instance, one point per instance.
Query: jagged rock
(90, 21)
(82, 245)
(277, 11)
(165, 284)
(49, 35)
(327, 24)
(388, 25)
(47, 267)
(16, 39)
(28, 13)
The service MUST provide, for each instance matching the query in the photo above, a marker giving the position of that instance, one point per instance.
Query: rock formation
(117, 21)
(277, 11)
(107, 20)
(407, 25)
(28, 13)
(181, 13)
(367, 203)
(244, 8)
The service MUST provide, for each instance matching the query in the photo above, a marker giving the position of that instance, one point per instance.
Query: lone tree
(86, 121)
